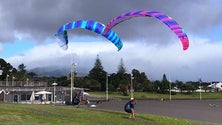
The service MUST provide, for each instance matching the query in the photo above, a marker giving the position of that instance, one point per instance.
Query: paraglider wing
(91, 25)
(62, 39)
(172, 24)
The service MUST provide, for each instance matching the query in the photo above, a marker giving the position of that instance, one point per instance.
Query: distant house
(215, 86)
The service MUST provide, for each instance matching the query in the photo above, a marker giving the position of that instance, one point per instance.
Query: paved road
(204, 110)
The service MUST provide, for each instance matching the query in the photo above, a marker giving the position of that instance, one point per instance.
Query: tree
(156, 86)
(190, 88)
(7, 69)
(21, 74)
(97, 73)
(121, 68)
(179, 85)
(31, 74)
(122, 79)
(165, 84)
(94, 85)
(21, 68)
(136, 80)
(140, 80)
(63, 81)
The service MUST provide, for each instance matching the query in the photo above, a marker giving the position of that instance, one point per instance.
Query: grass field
(29, 114)
(150, 95)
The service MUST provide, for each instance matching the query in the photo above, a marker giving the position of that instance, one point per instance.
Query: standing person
(129, 107)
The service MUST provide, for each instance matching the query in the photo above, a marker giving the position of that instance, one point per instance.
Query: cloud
(40, 19)
(148, 44)
(153, 59)
(1, 48)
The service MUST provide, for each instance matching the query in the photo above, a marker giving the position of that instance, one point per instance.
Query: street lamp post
(27, 81)
(54, 84)
(170, 90)
(107, 86)
(131, 86)
(13, 78)
(72, 80)
(7, 80)
(200, 89)
(1, 71)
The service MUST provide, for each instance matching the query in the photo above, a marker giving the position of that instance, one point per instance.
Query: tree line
(97, 77)
(9, 72)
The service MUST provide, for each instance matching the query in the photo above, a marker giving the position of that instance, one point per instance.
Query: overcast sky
(28, 27)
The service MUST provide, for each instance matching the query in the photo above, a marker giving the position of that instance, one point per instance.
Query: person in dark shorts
(76, 100)
(129, 107)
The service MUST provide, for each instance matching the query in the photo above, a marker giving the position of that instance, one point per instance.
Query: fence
(23, 83)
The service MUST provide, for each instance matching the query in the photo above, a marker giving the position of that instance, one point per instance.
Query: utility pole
(72, 80)
(200, 88)
(131, 86)
(54, 84)
(107, 86)
(170, 90)
(7, 80)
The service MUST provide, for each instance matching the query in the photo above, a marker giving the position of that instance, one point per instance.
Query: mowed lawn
(152, 95)
(31, 114)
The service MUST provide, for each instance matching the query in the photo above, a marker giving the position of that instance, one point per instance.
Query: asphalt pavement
(197, 110)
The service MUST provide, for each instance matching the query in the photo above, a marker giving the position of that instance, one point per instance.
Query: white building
(215, 86)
